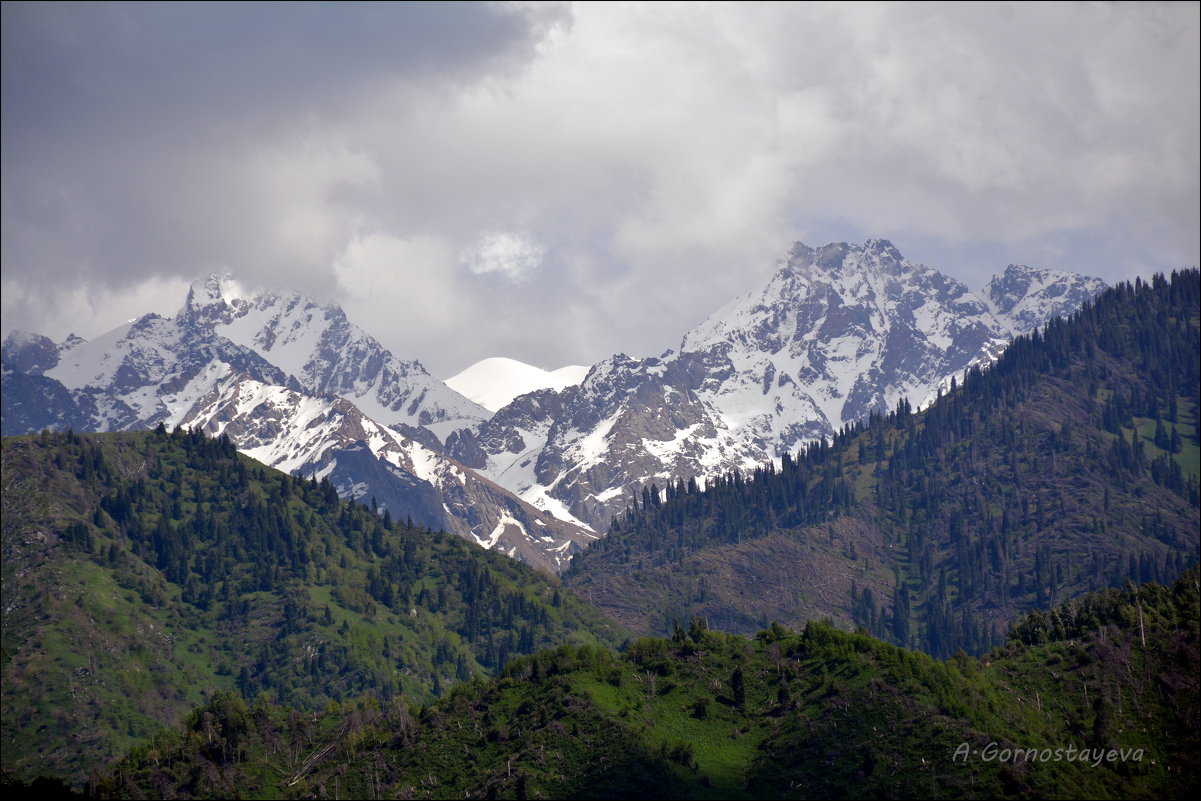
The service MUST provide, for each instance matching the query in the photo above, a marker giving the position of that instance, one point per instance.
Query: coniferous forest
(144, 572)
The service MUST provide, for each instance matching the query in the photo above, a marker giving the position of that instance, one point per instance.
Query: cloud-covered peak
(215, 288)
(29, 353)
(837, 258)
(214, 299)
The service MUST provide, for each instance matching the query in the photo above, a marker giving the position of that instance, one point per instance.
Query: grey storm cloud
(556, 183)
(143, 138)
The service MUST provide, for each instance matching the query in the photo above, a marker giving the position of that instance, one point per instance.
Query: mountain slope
(327, 355)
(1070, 464)
(840, 332)
(144, 571)
(1106, 707)
(330, 438)
(290, 381)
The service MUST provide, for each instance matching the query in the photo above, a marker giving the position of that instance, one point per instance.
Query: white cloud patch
(508, 254)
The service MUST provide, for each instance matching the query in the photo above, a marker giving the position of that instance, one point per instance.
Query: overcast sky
(557, 183)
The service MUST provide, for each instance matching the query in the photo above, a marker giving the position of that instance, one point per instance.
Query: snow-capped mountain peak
(1024, 298)
(852, 327)
(136, 371)
(324, 353)
(838, 332)
(493, 383)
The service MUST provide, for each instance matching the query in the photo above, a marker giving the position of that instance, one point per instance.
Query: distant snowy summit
(531, 462)
(494, 383)
(840, 332)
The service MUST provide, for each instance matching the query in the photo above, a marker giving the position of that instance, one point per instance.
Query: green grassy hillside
(1097, 699)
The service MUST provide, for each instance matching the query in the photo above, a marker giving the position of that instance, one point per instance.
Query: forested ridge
(145, 571)
(1068, 465)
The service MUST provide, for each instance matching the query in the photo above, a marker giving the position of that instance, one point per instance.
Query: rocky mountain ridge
(840, 332)
(294, 385)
